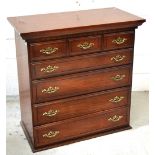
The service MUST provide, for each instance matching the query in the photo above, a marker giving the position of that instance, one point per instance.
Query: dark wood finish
(109, 43)
(80, 126)
(36, 54)
(65, 23)
(81, 83)
(24, 85)
(78, 106)
(76, 139)
(83, 50)
(92, 32)
(74, 48)
(81, 63)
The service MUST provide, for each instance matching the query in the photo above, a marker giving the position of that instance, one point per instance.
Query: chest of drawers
(75, 74)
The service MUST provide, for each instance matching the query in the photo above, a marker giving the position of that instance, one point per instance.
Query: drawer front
(118, 40)
(81, 83)
(81, 63)
(84, 45)
(47, 50)
(78, 106)
(80, 126)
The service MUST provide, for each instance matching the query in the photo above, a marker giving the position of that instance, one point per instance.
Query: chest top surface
(49, 24)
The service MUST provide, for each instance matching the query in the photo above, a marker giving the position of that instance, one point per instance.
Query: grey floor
(18, 145)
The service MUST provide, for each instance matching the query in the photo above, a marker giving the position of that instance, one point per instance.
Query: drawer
(80, 126)
(83, 45)
(118, 40)
(81, 105)
(81, 83)
(81, 63)
(48, 50)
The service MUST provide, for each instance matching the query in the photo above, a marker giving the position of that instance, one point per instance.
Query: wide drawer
(47, 50)
(81, 83)
(83, 45)
(81, 63)
(80, 126)
(81, 105)
(118, 40)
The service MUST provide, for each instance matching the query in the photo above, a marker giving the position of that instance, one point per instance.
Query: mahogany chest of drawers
(75, 74)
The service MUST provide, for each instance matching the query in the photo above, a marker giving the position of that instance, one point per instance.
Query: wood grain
(84, 77)
(24, 85)
(79, 106)
(77, 127)
(74, 49)
(81, 63)
(81, 83)
(72, 22)
(36, 54)
(109, 43)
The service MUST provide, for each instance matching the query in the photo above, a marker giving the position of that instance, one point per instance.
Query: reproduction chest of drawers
(75, 74)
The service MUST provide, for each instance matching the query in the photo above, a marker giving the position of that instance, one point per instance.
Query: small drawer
(81, 63)
(81, 83)
(118, 40)
(77, 106)
(84, 45)
(48, 50)
(80, 126)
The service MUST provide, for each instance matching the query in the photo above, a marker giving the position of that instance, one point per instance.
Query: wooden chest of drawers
(75, 74)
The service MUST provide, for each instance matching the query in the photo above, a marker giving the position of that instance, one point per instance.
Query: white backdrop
(142, 45)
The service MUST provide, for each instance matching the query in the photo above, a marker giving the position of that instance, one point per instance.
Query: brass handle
(118, 58)
(50, 90)
(50, 113)
(49, 50)
(119, 40)
(51, 134)
(118, 77)
(49, 69)
(116, 99)
(115, 118)
(85, 45)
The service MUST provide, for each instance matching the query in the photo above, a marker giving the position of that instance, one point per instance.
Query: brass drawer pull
(118, 77)
(115, 118)
(51, 134)
(49, 69)
(116, 99)
(119, 40)
(50, 113)
(50, 90)
(85, 45)
(118, 58)
(49, 50)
